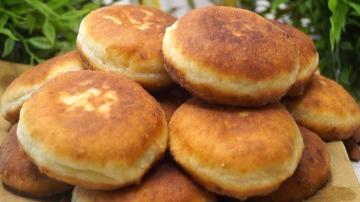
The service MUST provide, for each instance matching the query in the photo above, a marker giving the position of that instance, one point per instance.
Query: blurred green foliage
(33, 30)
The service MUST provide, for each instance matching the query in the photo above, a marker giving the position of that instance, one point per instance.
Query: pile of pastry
(113, 120)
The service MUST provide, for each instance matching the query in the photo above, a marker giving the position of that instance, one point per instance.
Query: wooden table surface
(342, 187)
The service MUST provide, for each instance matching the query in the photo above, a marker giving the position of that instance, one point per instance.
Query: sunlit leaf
(49, 31)
(332, 4)
(3, 20)
(8, 33)
(42, 7)
(355, 6)
(8, 47)
(337, 20)
(40, 42)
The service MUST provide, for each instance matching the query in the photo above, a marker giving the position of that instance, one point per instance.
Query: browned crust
(85, 60)
(299, 87)
(134, 123)
(223, 136)
(312, 173)
(356, 136)
(164, 183)
(236, 42)
(21, 175)
(327, 99)
(306, 45)
(32, 77)
(307, 55)
(132, 103)
(12, 115)
(40, 72)
(212, 95)
(135, 46)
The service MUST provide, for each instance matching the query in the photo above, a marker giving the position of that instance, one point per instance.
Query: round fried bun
(22, 87)
(326, 108)
(164, 183)
(126, 39)
(309, 58)
(20, 174)
(93, 129)
(311, 174)
(238, 152)
(230, 56)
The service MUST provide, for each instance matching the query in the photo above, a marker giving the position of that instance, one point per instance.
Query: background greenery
(33, 30)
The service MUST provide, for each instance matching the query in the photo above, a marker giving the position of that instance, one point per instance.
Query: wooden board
(342, 187)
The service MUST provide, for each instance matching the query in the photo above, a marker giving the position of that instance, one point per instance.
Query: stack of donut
(221, 104)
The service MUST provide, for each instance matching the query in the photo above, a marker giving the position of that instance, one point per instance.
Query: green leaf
(55, 4)
(40, 43)
(49, 31)
(8, 47)
(8, 33)
(71, 14)
(275, 4)
(31, 22)
(21, 9)
(10, 14)
(42, 8)
(337, 21)
(13, 2)
(3, 20)
(355, 6)
(332, 4)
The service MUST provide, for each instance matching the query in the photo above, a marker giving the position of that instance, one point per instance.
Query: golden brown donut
(23, 86)
(311, 174)
(230, 56)
(21, 175)
(326, 108)
(97, 130)
(126, 39)
(309, 58)
(238, 152)
(165, 183)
